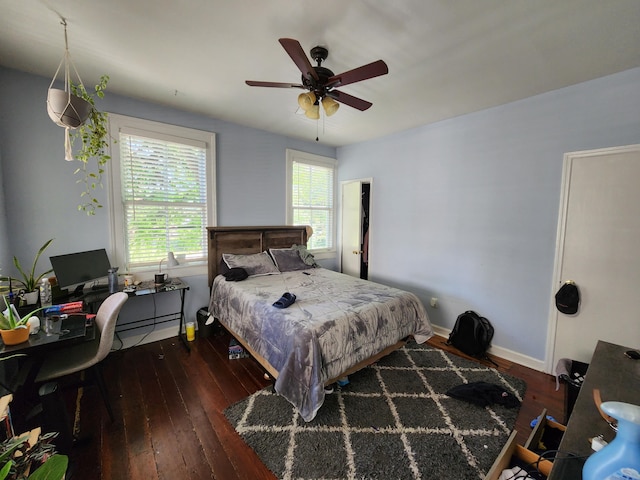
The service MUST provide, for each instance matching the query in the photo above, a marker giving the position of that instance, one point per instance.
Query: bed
(337, 324)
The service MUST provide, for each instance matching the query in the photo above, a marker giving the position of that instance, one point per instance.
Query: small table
(173, 284)
(618, 379)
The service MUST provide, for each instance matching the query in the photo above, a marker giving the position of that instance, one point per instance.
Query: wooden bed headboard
(247, 240)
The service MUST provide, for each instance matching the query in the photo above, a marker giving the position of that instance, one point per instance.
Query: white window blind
(312, 198)
(164, 198)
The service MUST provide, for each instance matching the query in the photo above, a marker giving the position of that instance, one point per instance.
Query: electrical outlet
(434, 302)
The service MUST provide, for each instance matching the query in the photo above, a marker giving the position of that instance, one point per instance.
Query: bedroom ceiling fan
(321, 82)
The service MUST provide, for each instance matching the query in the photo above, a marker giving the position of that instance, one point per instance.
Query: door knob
(356, 252)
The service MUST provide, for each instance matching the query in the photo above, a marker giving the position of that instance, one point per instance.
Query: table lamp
(171, 262)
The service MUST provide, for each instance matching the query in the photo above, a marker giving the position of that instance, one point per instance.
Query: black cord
(155, 313)
(556, 455)
(121, 343)
(568, 455)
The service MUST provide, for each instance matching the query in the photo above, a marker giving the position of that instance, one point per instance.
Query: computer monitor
(76, 269)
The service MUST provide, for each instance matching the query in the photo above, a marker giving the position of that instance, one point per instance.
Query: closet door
(597, 248)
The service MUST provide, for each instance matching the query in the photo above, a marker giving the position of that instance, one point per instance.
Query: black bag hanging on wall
(472, 334)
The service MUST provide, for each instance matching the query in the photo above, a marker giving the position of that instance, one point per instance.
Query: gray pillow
(288, 259)
(255, 264)
(305, 255)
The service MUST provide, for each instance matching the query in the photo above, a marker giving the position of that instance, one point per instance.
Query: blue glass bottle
(620, 459)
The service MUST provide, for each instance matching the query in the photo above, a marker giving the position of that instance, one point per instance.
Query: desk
(36, 348)
(618, 379)
(174, 284)
(58, 337)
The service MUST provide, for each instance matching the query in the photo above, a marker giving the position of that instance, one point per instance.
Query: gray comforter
(336, 322)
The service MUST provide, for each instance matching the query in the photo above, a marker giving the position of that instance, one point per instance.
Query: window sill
(187, 271)
(323, 254)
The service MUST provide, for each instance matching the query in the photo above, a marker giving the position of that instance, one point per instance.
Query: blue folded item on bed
(285, 300)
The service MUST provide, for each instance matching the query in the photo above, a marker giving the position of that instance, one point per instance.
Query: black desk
(618, 379)
(174, 284)
(57, 338)
(35, 349)
(47, 405)
(93, 299)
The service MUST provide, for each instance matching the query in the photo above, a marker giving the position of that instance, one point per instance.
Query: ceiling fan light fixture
(306, 100)
(313, 112)
(330, 106)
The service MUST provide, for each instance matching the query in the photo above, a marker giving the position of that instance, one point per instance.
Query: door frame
(361, 181)
(557, 281)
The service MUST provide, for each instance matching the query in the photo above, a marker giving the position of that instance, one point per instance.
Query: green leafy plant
(18, 458)
(94, 137)
(10, 321)
(28, 279)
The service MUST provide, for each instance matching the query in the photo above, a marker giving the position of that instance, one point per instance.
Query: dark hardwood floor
(169, 406)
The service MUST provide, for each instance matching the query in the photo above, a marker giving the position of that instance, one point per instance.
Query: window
(311, 187)
(162, 194)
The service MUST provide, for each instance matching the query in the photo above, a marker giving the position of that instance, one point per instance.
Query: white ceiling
(445, 57)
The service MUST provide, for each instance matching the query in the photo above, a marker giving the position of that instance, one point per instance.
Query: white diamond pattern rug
(392, 421)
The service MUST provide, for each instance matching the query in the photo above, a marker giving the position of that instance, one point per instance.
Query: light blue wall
(4, 239)
(39, 195)
(466, 210)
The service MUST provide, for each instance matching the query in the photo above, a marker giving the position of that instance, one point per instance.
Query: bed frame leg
(272, 380)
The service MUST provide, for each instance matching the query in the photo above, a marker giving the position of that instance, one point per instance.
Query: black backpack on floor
(472, 334)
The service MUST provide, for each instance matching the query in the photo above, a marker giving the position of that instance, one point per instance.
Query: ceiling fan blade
(371, 70)
(294, 49)
(350, 100)
(253, 83)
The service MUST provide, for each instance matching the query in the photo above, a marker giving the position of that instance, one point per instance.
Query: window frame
(117, 226)
(313, 159)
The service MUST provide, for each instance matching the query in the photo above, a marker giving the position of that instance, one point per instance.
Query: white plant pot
(67, 110)
(32, 297)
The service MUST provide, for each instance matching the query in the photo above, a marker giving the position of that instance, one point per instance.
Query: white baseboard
(505, 353)
(170, 331)
(143, 338)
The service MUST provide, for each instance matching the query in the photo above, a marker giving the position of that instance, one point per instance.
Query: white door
(599, 249)
(351, 227)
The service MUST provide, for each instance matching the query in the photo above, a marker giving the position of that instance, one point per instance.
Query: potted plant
(31, 456)
(74, 108)
(65, 109)
(29, 280)
(13, 328)
(93, 135)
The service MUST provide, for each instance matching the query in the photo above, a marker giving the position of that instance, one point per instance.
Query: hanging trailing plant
(74, 109)
(93, 136)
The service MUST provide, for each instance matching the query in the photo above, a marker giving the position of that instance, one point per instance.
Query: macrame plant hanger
(65, 109)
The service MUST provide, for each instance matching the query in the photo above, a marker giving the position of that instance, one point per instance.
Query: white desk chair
(87, 355)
